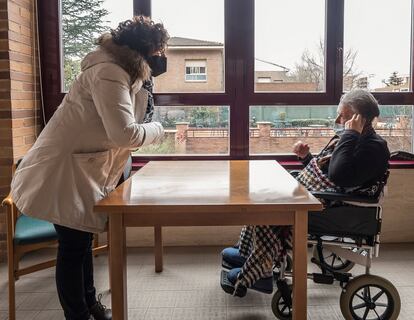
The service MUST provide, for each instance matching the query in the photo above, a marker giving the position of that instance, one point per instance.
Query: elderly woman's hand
(356, 123)
(301, 149)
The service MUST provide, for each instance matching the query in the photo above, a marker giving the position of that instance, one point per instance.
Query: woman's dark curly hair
(142, 35)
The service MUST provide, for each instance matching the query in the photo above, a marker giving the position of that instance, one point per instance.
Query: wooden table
(208, 193)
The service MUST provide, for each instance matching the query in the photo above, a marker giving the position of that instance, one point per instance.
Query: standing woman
(80, 154)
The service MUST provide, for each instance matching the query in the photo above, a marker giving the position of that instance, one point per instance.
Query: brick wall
(207, 145)
(269, 145)
(258, 145)
(19, 98)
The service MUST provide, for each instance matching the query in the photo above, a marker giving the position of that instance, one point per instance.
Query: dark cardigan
(357, 159)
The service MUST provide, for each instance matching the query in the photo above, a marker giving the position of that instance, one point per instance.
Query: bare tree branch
(311, 68)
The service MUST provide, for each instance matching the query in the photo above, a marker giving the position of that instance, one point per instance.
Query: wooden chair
(26, 234)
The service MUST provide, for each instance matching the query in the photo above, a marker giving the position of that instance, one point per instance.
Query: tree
(82, 22)
(205, 117)
(394, 80)
(168, 122)
(311, 68)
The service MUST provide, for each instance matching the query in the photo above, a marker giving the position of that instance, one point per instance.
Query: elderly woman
(354, 161)
(80, 154)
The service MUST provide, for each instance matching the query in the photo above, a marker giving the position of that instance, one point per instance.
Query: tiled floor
(189, 288)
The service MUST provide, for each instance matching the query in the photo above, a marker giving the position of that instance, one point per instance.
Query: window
(195, 70)
(195, 47)
(274, 129)
(191, 130)
(373, 49)
(81, 25)
(246, 76)
(290, 44)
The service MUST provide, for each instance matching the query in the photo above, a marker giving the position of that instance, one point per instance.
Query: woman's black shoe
(99, 311)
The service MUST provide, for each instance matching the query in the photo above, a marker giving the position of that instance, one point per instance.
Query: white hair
(361, 102)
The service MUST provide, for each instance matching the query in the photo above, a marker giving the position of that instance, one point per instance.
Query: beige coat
(80, 154)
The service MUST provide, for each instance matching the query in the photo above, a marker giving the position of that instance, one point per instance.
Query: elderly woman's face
(344, 113)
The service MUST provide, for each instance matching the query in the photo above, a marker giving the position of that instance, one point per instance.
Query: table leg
(158, 248)
(300, 263)
(118, 272)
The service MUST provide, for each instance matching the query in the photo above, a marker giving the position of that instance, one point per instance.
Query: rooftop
(187, 42)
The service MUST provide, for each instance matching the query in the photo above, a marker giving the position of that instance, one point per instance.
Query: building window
(195, 70)
(264, 79)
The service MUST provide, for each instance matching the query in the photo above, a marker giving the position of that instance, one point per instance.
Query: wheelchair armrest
(337, 196)
(294, 173)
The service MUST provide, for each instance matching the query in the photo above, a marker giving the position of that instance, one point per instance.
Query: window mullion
(49, 36)
(239, 42)
(334, 48)
(142, 7)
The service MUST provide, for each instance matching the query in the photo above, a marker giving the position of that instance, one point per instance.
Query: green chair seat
(31, 230)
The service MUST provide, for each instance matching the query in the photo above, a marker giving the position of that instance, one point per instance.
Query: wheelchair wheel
(333, 261)
(280, 308)
(370, 297)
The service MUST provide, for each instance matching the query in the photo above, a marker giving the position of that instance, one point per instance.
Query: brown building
(193, 66)
(198, 66)
(280, 81)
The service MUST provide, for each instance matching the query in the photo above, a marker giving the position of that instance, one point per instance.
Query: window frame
(239, 79)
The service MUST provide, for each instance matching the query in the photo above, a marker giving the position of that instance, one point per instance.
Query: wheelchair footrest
(228, 287)
(342, 277)
(322, 278)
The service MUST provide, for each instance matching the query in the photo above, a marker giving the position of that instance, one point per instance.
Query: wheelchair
(346, 232)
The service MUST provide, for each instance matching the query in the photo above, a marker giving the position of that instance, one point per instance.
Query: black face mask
(158, 65)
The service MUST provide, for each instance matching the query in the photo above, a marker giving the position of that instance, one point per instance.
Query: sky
(379, 30)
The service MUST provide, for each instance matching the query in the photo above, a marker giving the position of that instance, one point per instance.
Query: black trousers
(74, 272)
